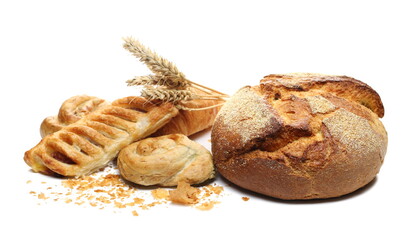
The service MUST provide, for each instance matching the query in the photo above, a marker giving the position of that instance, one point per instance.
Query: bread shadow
(348, 196)
(156, 186)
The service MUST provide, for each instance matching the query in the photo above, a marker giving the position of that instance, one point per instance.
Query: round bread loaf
(301, 136)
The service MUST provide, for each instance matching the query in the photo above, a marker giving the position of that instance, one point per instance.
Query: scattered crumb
(29, 181)
(245, 199)
(107, 189)
(41, 196)
(216, 189)
(184, 194)
(207, 205)
(160, 193)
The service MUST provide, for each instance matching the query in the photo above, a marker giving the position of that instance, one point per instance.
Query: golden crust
(165, 161)
(190, 122)
(301, 136)
(72, 110)
(91, 142)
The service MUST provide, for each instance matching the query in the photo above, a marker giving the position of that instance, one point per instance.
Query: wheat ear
(161, 66)
(167, 95)
(172, 85)
(157, 80)
(154, 62)
(175, 95)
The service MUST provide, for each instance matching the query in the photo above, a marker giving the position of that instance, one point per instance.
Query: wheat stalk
(161, 66)
(172, 85)
(179, 106)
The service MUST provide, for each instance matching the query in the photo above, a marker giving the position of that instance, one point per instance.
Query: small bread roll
(301, 136)
(165, 161)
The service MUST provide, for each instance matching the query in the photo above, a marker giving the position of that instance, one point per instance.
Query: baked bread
(186, 122)
(165, 161)
(72, 110)
(301, 136)
(189, 122)
(90, 143)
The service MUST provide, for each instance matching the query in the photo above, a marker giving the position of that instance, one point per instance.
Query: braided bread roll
(90, 143)
(72, 110)
(165, 161)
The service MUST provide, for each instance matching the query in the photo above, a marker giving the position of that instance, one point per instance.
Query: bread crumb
(245, 199)
(216, 189)
(42, 196)
(207, 205)
(160, 193)
(134, 212)
(107, 189)
(184, 194)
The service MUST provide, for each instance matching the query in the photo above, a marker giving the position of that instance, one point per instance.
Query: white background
(52, 50)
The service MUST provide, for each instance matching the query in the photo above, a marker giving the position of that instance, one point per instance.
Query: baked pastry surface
(91, 142)
(165, 161)
(72, 110)
(190, 122)
(301, 136)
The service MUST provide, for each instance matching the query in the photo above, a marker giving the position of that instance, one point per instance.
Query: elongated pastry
(165, 161)
(72, 110)
(189, 122)
(90, 143)
(185, 122)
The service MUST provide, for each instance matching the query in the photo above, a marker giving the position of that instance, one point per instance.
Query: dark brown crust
(323, 142)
